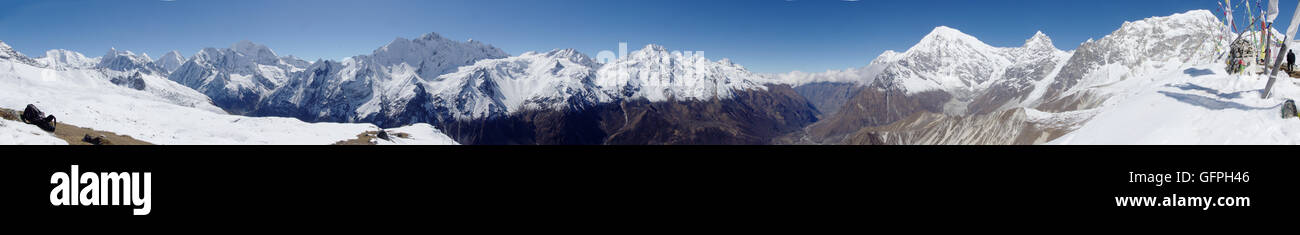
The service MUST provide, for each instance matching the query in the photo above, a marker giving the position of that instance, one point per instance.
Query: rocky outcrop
(1008, 127)
(135, 81)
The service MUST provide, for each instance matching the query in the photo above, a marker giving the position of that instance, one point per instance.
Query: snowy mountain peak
(571, 55)
(654, 47)
(945, 31)
(563, 52)
(115, 53)
(655, 74)
(295, 61)
(65, 55)
(1194, 19)
(431, 36)
(947, 41)
(171, 61)
(65, 59)
(887, 56)
(649, 52)
(945, 34)
(1194, 14)
(8, 53)
(432, 54)
(1039, 41)
(249, 48)
(124, 60)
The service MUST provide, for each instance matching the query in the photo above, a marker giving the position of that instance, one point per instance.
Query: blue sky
(763, 35)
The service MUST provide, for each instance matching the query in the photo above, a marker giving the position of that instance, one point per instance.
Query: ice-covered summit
(944, 38)
(1039, 41)
(655, 74)
(64, 59)
(8, 53)
(260, 53)
(124, 60)
(170, 61)
(432, 54)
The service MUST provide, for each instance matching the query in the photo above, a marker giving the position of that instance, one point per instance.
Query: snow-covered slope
(1153, 81)
(1192, 105)
(1136, 49)
(418, 134)
(163, 113)
(1037, 77)
(12, 133)
(138, 77)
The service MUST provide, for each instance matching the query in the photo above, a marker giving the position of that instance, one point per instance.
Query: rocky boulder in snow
(97, 140)
(135, 81)
(1288, 109)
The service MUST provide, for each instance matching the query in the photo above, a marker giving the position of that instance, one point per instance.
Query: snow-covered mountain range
(949, 61)
(949, 88)
(377, 87)
(430, 79)
(955, 75)
(436, 80)
(128, 94)
(236, 78)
